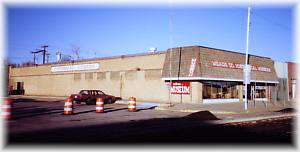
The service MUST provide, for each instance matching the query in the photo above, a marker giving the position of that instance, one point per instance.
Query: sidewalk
(39, 98)
(227, 108)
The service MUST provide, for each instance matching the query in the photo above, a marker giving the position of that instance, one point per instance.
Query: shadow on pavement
(88, 111)
(202, 115)
(106, 111)
(25, 100)
(25, 113)
(287, 110)
(192, 129)
(141, 109)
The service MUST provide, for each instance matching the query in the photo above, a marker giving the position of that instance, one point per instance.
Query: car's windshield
(83, 92)
(91, 92)
(99, 92)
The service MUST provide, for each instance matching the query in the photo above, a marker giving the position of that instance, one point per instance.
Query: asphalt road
(42, 122)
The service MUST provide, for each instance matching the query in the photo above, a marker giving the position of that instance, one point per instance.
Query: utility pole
(33, 57)
(47, 54)
(44, 52)
(247, 70)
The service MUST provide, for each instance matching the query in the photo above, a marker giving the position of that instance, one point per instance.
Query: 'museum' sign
(78, 67)
(180, 87)
(238, 66)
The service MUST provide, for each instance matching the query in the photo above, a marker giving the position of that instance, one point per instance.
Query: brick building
(193, 74)
(292, 79)
(219, 74)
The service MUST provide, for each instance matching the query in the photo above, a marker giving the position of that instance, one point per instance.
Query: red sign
(180, 87)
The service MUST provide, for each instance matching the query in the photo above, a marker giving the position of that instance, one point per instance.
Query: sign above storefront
(78, 67)
(238, 66)
(180, 87)
(192, 67)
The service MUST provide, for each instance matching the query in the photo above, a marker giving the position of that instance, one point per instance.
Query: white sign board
(192, 67)
(247, 74)
(78, 67)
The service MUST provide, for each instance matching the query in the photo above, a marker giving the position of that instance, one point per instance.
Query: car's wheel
(109, 100)
(77, 101)
(90, 101)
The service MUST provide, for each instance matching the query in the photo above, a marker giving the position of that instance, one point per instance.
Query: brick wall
(208, 55)
(180, 59)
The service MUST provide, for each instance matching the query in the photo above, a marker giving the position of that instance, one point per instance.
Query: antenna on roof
(152, 50)
(58, 56)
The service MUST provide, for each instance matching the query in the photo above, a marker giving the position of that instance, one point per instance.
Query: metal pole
(246, 61)
(34, 58)
(171, 51)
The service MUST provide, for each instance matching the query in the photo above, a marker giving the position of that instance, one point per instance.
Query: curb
(192, 111)
(138, 102)
(213, 111)
(252, 119)
(173, 110)
(121, 102)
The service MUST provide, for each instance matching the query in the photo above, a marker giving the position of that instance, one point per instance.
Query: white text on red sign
(180, 87)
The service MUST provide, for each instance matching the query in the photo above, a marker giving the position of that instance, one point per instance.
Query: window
(89, 76)
(152, 74)
(130, 75)
(115, 75)
(84, 92)
(260, 92)
(99, 92)
(219, 90)
(101, 75)
(77, 76)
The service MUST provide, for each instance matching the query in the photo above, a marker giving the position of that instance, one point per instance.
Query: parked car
(89, 97)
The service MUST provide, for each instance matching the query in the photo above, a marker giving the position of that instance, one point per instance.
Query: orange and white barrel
(68, 107)
(99, 105)
(6, 109)
(132, 104)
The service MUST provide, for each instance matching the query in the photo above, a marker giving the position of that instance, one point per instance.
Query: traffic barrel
(99, 105)
(68, 107)
(6, 112)
(132, 104)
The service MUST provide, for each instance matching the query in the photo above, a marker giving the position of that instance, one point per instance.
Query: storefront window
(260, 92)
(220, 90)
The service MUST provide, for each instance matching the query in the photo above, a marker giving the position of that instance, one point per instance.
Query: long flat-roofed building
(197, 74)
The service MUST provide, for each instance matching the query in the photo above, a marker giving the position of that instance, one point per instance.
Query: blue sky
(108, 31)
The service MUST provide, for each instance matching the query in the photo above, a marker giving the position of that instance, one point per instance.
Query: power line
(274, 22)
(41, 51)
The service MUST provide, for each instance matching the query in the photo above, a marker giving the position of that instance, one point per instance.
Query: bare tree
(76, 51)
(28, 63)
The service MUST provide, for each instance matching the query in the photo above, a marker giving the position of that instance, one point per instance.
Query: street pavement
(41, 120)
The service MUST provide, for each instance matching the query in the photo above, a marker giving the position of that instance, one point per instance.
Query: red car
(89, 97)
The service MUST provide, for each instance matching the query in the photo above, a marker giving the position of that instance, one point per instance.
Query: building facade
(292, 80)
(193, 74)
(219, 74)
(281, 69)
